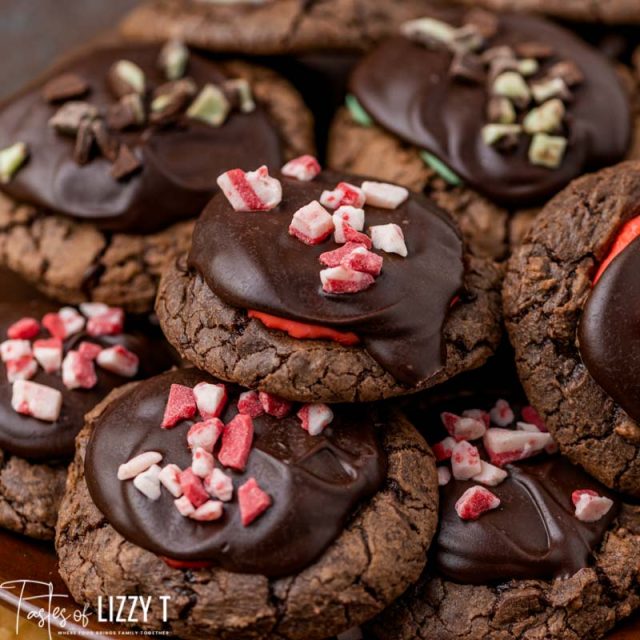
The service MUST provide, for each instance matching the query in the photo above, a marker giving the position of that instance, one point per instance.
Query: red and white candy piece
(208, 512)
(92, 309)
(465, 461)
(303, 168)
(340, 280)
(119, 360)
(311, 224)
(21, 369)
(351, 235)
(442, 450)
(236, 443)
(444, 476)
(89, 350)
(78, 372)
(502, 415)
(532, 428)
(334, 258)
(192, 488)
(478, 414)
(389, 238)
(490, 475)
(219, 484)
(353, 216)
(506, 445)
(170, 478)
(463, 428)
(48, 353)
(24, 329)
(202, 463)
(530, 415)
(251, 191)
(181, 405)
(109, 323)
(253, 501)
(361, 259)
(275, 405)
(138, 464)
(205, 434)
(590, 506)
(475, 501)
(210, 399)
(315, 418)
(344, 194)
(249, 404)
(384, 195)
(184, 506)
(37, 400)
(14, 349)
(148, 482)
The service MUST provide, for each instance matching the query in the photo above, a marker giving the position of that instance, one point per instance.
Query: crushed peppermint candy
(346, 214)
(251, 191)
(303, 168)
(311, 224)
(475, 501)
(389, 238)
(36, 400)
(237, 439)
(589, 505)
(24, 329)
(253, 501)
(210, 399)
(343, 194)
(338, 280)
(315, 418)
(181, 405)
(384, 195)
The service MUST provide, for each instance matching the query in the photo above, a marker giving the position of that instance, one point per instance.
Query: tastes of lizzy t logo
(46, 608)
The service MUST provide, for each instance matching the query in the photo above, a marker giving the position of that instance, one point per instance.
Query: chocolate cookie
(36, 433)
(605, 11)
(575, 369)
(349, 514)
(271, 28)
(254, 305)
(508, 104)
(111, 155)
(540, 564)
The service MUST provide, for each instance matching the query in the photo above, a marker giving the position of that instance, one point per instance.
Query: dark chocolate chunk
(85, 137)
(126, 164)
(65, 87)
(127, 113)
(107, 143)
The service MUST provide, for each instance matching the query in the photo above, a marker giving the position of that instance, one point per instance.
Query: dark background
(34, 32)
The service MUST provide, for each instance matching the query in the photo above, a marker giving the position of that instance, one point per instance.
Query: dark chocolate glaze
(180, 163)
(407, 89)
(315, 483)
(608, 332)
(48, 442)
(251, 262)
(534, 533)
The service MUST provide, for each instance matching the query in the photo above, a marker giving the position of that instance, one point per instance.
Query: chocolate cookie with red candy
(107, 159)
(57, 364)
(257, 517)
(508, 105)
(569, 304)
(329, 288)
(528, 544)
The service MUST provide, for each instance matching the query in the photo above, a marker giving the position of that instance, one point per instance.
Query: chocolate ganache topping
(315, 482)
(608, 332)
(534, 533)
(554, 105)
(180, 159)
(40, 441)
(251, 262)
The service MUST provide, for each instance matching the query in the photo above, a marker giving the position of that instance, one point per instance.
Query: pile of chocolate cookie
(252, 312)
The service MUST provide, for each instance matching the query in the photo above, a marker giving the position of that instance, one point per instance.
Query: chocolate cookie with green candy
(508, 104)
(106, 161)
(323, 304)
(530, 546)
(292, 521)
(57, 364)
(569, 303)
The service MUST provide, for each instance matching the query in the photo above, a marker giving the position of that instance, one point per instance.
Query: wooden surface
(22, 559)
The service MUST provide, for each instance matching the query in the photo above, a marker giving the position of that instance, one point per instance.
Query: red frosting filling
(186, 564)
(628, 234)
(304, 331)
